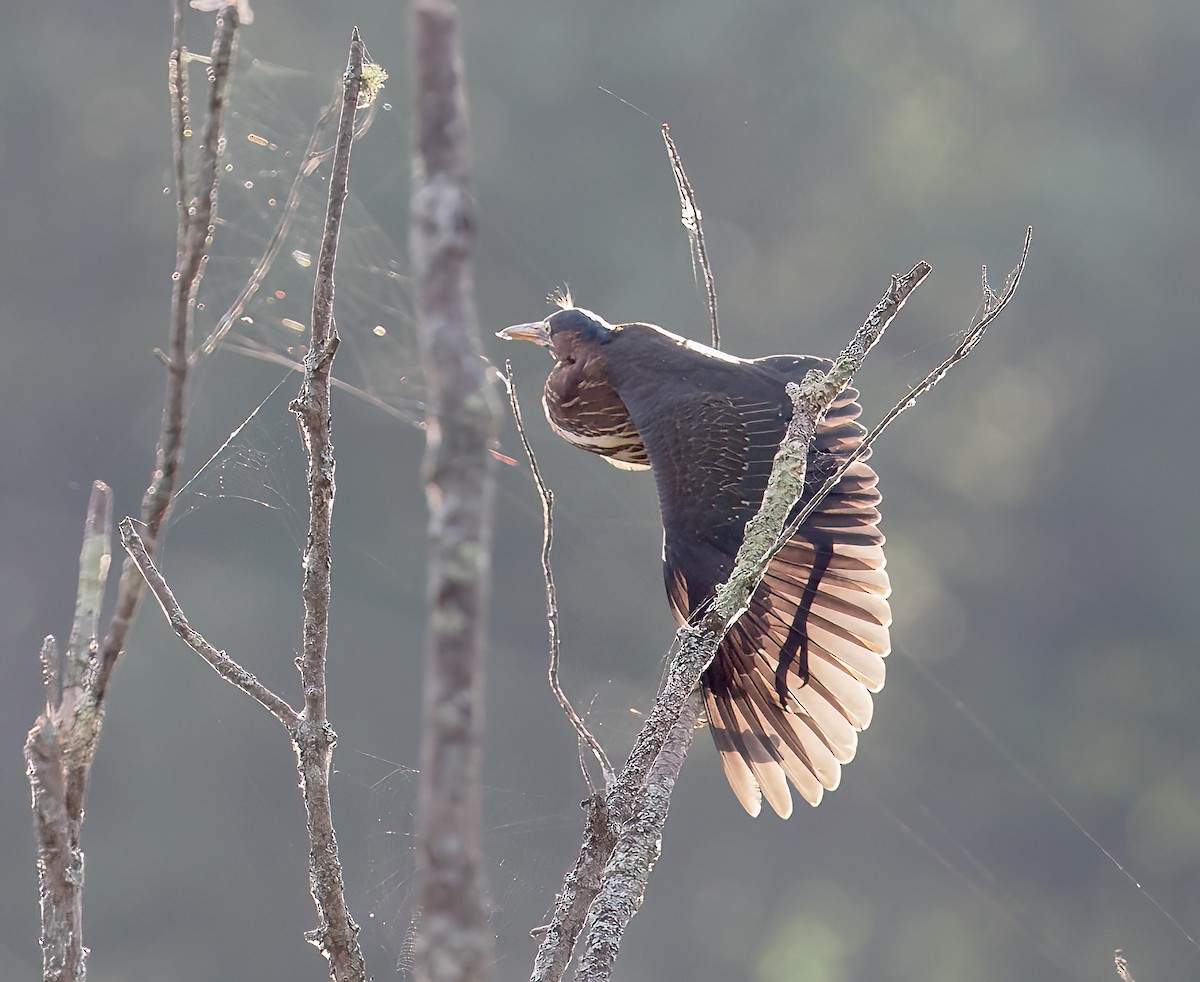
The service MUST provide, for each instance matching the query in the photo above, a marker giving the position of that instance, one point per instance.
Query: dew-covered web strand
(275, 244)
(231, 439)
(258, 463)
(315, 154)
(255, 302)
(1038, 785)
(258, 290)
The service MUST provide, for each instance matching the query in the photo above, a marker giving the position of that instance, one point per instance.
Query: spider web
(254, 304)
(267, 144)
(249, 345)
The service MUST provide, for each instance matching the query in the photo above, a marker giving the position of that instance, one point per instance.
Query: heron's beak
(535, 332)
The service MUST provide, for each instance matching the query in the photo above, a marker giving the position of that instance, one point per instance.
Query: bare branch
(990, 308)
(585, 735)
(336, 935)
(60, 863)
(455, 941)
(218, 660)
(617, 827)
(312, 736)
(580, 886)
(62, 745)
(637, 850)
(689, 215)
(196, 221)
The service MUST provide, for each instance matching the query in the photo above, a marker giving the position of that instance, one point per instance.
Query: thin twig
(689, 215)
(990, 309)
(218, 660)
(455, 940)
(195, 228)
(62, 745)
(312, 736)
(336, 935)
(586, 736)
(584, 881)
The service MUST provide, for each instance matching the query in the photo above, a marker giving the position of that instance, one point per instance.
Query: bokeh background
(1040, 504)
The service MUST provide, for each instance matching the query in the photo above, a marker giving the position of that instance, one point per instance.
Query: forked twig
(991, 306)
(311, 734)
(62, 744)
(624, 829)
(585, 735)
(689, 215)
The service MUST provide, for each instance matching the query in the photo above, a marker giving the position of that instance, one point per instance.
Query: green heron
(791, 683)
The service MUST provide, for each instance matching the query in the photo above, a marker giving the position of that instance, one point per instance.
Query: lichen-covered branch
(455, 941)
(620, 827)
(623, 882)
(627, 826)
